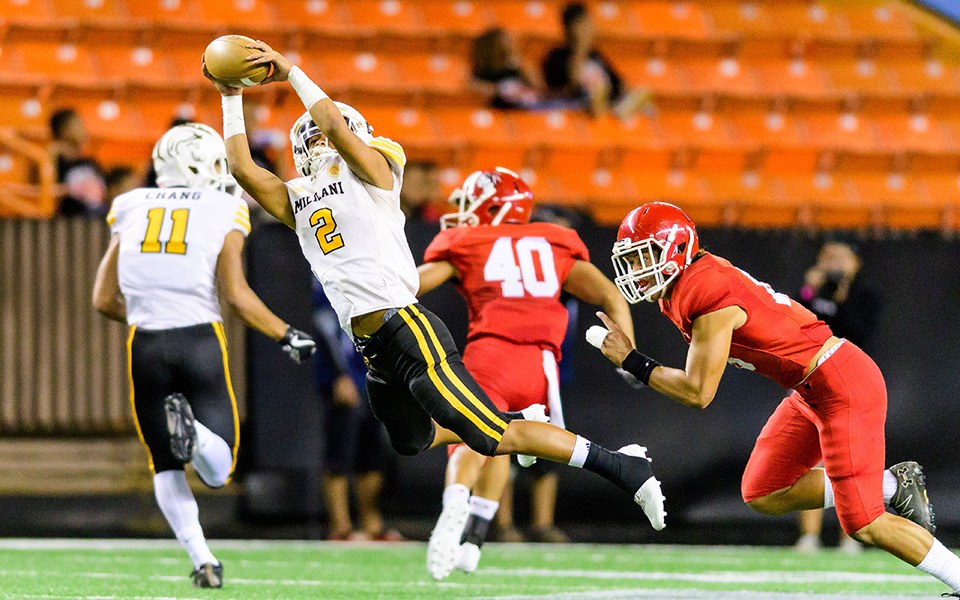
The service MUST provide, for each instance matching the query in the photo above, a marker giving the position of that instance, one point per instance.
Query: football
(226, 59)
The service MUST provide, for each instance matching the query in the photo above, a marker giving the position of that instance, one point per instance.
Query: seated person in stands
(83, 189)
(577, 74)
(499, 72)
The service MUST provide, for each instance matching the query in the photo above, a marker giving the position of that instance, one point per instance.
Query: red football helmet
(490, 198)
(655, 244)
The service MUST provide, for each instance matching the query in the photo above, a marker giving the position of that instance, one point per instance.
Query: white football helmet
(307, 159)
(192, 155)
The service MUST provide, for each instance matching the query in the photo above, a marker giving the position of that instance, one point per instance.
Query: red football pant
(512, 375)
(837, 415)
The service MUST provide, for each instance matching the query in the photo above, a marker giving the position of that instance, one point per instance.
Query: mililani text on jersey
(334, 188)
(173, 194)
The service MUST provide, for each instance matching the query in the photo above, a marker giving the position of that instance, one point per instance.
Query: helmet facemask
(307, 158)
(193, 155)
(646, 267)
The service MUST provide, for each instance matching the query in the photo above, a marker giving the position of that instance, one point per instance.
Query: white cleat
(444, 545)
(468, 558)
(534, 412)
(649, 496)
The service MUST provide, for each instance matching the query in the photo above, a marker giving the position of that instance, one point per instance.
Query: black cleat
(910, 500)
(950, 595)
(183, 434)
(208, 576)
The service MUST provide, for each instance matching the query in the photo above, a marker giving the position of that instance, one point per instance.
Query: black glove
(297, 344)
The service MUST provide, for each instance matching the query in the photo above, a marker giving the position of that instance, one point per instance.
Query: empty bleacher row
(766, 113)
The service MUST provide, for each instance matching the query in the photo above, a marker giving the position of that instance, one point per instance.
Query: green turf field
(108, 569)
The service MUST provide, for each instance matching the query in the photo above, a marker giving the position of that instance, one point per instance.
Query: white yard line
(716, 576)
(675, 594)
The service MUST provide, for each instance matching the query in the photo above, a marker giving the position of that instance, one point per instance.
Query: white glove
(596, 335)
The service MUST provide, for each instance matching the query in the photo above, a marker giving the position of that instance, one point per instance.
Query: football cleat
(534, 412)
(208, 576)
(910, 500)
(468, 557)
(649, 497)
(180, 426)
(444, 544)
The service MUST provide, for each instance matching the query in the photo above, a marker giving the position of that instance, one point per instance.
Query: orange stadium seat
(753, 198)
(456, 17)
(814, 19)
(796, 78)
(912, 133)
(527, 17)
(614, 19)
(660, 76)
(245, 16)
(927, 76)
(315, 15)
(670, 19)
(436, 73)
(102, 10)
(901, 200)
(377, 17)
(883, 21)
(409, 127)
(694, 129)
(739, 18)
(134, 64)
(756, 126)
(722, 75)
(553, 128)
(14, 168)
(860, 76)
(831, 129)
(21, 108)
(637, 133)
(64, 62)
(357, 70)
(584, 186)
(825, 196)
(791, 160)
(477, 127)
(25, 11)
(182, 13)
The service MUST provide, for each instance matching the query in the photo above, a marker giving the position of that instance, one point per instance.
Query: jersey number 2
(175, 245)
(329, 241)
(538, 277)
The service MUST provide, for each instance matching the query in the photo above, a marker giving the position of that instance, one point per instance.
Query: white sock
(213, 458)
(483, 507)
(456, 492)
(942, 564)
(180, 509)
(889, 486)
(580, 451)
(827, 491)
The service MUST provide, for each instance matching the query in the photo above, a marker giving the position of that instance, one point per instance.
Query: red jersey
(780, 336)
(511, 277)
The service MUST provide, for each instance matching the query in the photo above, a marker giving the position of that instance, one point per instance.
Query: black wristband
(640, 366)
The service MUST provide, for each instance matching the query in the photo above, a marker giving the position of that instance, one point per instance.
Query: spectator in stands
(83, 188)
(500, 73)
(834, 291)
(421, 191)
(579, 75)
(121, 180)
(356, 445)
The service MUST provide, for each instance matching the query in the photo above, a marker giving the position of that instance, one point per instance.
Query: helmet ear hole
(681, 248)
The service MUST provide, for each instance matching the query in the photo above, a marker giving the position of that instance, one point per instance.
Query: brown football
(226, 59)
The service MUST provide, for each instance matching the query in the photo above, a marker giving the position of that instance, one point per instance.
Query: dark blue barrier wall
(699, 455)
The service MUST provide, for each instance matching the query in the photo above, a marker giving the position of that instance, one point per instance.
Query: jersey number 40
(523, 264)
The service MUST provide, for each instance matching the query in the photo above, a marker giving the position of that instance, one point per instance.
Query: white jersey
(170, 240)
(352, 235)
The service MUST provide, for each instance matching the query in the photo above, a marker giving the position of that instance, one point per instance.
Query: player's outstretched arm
(263, 186)
(235, 291)
(366, 162)
(107, 298)
(434, 274)
(588, 283)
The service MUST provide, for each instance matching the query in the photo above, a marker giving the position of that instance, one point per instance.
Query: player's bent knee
(482, 444)
(765, 505)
